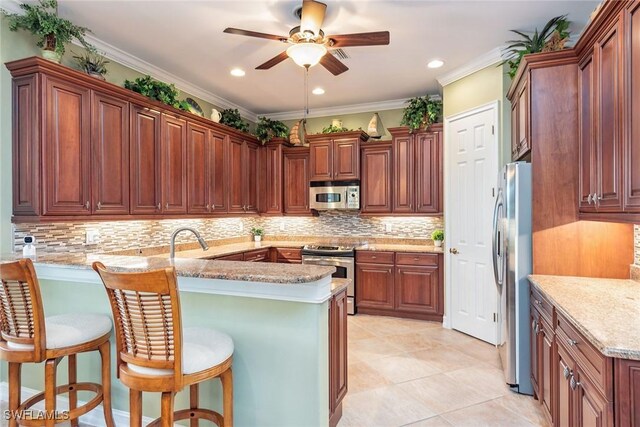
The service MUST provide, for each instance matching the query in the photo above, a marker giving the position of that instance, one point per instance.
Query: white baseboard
(93, 418)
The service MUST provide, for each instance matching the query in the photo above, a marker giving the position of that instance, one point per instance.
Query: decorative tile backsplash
(121, 235)
(636, 229)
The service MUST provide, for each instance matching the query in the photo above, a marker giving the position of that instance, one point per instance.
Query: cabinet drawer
(593, 363)
(234, 257)
(374, 257)
(289, 254)
(416, 258)
(257, 256)
(542, 304)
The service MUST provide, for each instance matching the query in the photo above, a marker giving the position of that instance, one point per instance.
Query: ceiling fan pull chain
(306, 92)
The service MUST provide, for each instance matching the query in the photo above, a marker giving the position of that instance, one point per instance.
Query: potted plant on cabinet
(257, 233)
(421, 112)
(157, 90)
(438, 237)
(232, 118)
(268, 129)
(93, 64)
(53, 32)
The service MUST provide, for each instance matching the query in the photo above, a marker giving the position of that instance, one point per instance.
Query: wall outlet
(92, 237)
(388, 227)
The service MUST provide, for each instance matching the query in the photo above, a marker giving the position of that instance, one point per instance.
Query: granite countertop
(198, 268)
(605, 311)
(233, 248)
(337, 285)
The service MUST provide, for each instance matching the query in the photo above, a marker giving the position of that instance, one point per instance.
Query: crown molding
(128, 60)
(343, 109)
(492, 57)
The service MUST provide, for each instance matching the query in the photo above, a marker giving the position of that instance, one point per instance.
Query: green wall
(480, 88)
(389, 119)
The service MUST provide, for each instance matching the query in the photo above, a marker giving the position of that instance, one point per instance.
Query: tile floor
(413, 373)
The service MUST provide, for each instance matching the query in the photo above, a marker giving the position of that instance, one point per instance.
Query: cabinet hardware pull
(158, 207)
(533, 325)
(99, 206)
(166, 205)
(86, 205)
(573, 383)
(589, 199)
(208, 208)
(572, 342)
(538, 302)
(566, 372)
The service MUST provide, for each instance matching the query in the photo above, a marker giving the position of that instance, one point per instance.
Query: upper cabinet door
(524, 140)
(321, 160)
(346, 159)
(296, 182)
(376, 179)
(250, 177)
(273, 173)
(110, 152)
(144, 142)
(586, 101)
(66, 148)
(236, 184)
(403, 174)
(199, 161)
(219, 172)
(608, 154)
(174, 165)
(631, 154)
(428, 172)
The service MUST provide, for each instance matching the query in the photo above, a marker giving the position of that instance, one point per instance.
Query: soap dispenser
(29, 249)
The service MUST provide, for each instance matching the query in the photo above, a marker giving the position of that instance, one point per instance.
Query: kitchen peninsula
(278, 316)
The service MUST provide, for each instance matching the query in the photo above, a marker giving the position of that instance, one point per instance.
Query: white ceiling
(185, 38)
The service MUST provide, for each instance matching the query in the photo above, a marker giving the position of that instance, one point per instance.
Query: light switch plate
(92, 237)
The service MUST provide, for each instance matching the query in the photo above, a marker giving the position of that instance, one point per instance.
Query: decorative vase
(437, 243)
(97, 76)
(336, 123)
(215, 115)
(51, 55)
(257, 238)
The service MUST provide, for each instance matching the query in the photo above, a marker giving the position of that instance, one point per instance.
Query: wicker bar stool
(156, 355)
(27, 336)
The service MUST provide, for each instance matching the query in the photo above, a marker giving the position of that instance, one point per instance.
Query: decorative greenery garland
(154, 89)
(231, 117)
(268, 129)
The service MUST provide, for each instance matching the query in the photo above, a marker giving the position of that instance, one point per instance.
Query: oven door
(345, 269)
(327, 198)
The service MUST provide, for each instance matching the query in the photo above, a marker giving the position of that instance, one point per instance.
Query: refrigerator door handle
(496, 240)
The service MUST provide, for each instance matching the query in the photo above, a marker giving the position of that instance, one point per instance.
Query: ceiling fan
(309, 45)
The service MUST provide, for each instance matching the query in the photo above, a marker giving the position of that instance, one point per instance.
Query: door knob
(453, 251)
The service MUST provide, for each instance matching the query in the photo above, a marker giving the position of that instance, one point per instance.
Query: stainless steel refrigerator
(511, 264)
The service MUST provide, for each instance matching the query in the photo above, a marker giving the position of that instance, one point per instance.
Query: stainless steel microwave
(344, 195)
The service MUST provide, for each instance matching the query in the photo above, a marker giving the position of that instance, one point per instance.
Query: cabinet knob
(572, 342)
(166, 205)
(453, 251)
(573, 383)
(589, 199)
(159, 206)
(86, 205)
(566, 372)
(99, 206)
(538, 302)
(208, 208)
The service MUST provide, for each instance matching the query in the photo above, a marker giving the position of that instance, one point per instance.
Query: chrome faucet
(172, 245)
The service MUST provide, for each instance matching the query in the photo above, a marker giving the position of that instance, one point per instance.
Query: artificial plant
(231, 117)
(42, 20)
(154, 89)
(268, 129)
(335, 129)
(553, 37)
(92, 63)
(421, 112)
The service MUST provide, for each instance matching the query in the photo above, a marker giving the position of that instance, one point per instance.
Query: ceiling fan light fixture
(306, 54)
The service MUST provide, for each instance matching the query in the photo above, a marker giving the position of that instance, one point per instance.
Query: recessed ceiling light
(238, 72)
(318, 91)
(436, 63)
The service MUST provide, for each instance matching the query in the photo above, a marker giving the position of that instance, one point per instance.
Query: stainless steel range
(340, 257)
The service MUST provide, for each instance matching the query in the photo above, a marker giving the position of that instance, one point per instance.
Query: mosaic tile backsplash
(636, 229)
(121, 235)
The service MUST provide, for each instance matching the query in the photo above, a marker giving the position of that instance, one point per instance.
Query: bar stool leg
(227, 397)
(50, 368)
(15, 385)
(166, 412)
(193, 401)
(105, 358)
(135, 408)
(73, 394)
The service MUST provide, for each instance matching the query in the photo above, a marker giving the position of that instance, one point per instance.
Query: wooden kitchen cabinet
(535, 349)
(296, 181)
(400, 284)
(338, 363)
(274, 186)
(417, 171)
(520, 117)
(587, 139)
(110, 155)
(335, 157)
(376, 184)
(174, 165)
(243, 176)
(144, 146)
(66, 148)
(631, 140)
(627, 401)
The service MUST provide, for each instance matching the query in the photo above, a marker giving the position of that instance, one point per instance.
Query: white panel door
(472, 170)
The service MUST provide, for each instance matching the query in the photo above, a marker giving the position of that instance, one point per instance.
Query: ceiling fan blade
(361, 39)
(273, 61)
(248, 33)
(312, 16)
(333, 64)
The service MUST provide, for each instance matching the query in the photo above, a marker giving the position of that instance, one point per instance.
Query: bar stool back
(27, 336)
(156, 355)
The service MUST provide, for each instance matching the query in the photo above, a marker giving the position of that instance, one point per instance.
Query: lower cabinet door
(592, 409)
(374, 286)
(545, 342)
(337, 350)
(534, 320)
(564, 400)
(417, 289)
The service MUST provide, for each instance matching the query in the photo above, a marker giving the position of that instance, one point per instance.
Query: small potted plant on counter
(438, 237)
(257, 233)
(92, 63)
(53, 32)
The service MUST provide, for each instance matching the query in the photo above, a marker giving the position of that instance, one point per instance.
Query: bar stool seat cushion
(67, 330)
(202, 348)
